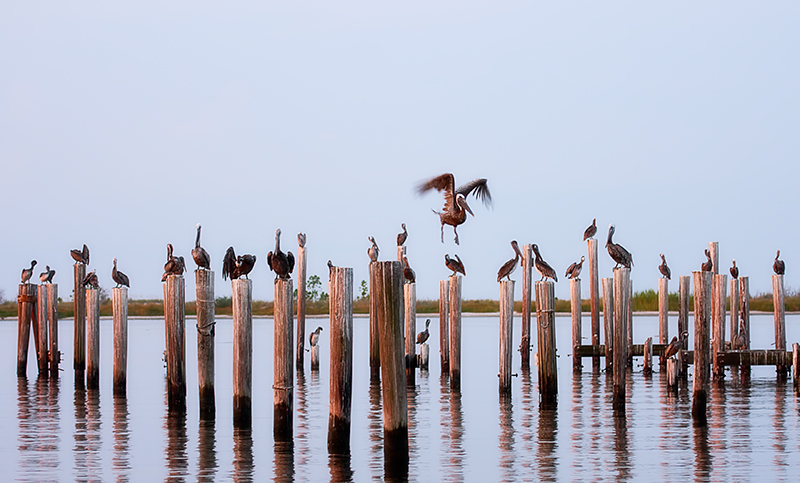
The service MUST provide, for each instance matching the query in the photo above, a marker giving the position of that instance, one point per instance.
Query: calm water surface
(52, 432)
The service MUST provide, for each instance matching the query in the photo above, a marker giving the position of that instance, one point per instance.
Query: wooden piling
(341, 369)
(683, 317)
(410, 313)
(702, 316)
(546, 331)
(206, 333)
(594, 293)
(780, 321)
(713, 248)
(243, 352)
(301, 307)
(663, 312)
(506, 334)
(648, 357)
(608, 319)
(175, 322)
(629, 325)
(734, 311)
(424, 357)
(744, 317)
(672, 374)
(525, 341)
(119, 307)
(374, 341)
(93, 338)
(575, 299)
(796, 368)
(52, 304)
(401, 252)
(444, 326)
(315, 358)
(455, 332)
(79, 322)
(620, 353)
(718, 296)
(26, 302)
(43, 315)
(284, 375)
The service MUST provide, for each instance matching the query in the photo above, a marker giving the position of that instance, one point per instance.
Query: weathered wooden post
(119, 308)
(718, 296)
(608, 319)
(663, 317)
(702, 316)
(622, 277)
(455, 332)
(93, 338)
(374, 341)
(424, 356)
(387, 286)
(672, 374)
(284, 375)
(546, 331)
(444, 326)
(506, 333)
(734, 312)
(575, 296)
(315, 358)
(683, 319)
(796, 368)
(525, 341)
(79, 324)
(341, 340)
(401, 252)
(629, 325)
(713, 248)
(780, 321)
(410, 313)
(594, 293)
(744, 319)
(175, 321)
(43, 316)
(206, 331)
(243, 352)
(648, 357)
(26, 304)
(301, 304)
(52, 304)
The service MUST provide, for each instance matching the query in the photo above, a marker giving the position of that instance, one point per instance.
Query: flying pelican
(734, 270)
(508, 268)
(27, 273)
(200, 255)
(617, 252)
(591, 231)
(373, 251)
(301, 240)
(80, 256)
(408, 273)
(542, 267)
(664, 268)
(455, 200)
(574, 270)
(119, 277)
(423, 336)
(402, 237)
(244, 265)
(454, 264)
(313, 338)
(779, 267)
(47, 275)
(229, 265)
(708, 265)
(91, 280)
(280, 263)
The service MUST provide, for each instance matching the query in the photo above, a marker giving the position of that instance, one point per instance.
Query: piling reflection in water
(340, 468)
(622, 462)
(413, 425)
(456, 450)
(79, 450)
(284, 462)
(506, 440)
(93, 436)
(38, 432)
(528, 421)
(206, 451)
(547, 454)
(243, 465)
(301, 426)
(781, 460)
(175, 452)
(121, 460)
(702, 458)
(375, 417)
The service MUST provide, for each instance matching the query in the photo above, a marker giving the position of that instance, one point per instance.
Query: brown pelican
(199, 254)
(708, 265)
(244, 265)
(591, 231)
(574, 270)
(664, 268)
(373, 251)
(47, 275)
(779, 267)
(734, 270)
(119, 277)
(408, 273)
(229, 265)
(617, 252)
(174, 265)
(301, 240)
(455, 200)
(739, 341)
(423, 336)
(402, 237)
(508, 268)
(674, 346)
(280, 263)
(454, 264)
(541, 266)
(313, 338)
(80, 256)
(27, 273)
(91, 280)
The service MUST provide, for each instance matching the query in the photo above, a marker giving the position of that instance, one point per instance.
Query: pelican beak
(469, 210)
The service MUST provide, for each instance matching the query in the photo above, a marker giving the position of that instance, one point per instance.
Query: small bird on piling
(734, 270)
(423, 336)
(456, 208)
(454, 264)
(280, 263)
(664, 268)
(313, 339)
(80, 256)
(229, 264)
(591, 231)
(708, 265)
(119, 277)
(244, 265)
(199, 254)
(508, 268)
(617, 252)
(574, 270)
(330, 269)
(402, 237)
(301, 240)
(373, 251)
(408, 273)
(90, 280)
(27, 273)
(779, 267)
(543, 267)
(47, 275)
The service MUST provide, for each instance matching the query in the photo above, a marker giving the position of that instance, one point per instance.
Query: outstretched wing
(444, 182)
(480, 188)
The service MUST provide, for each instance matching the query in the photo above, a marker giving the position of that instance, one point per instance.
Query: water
(51, 432)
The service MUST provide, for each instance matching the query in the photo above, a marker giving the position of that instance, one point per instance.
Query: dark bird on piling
(674, 346)
(574, 270)
(27, 273)
(408, 273)
(708, 265)
(244, 265)
(739, 341)
(229, 264)
(734, 270)
(544, 269)
(508, 268)
(199, 254)
(280, 263)
(313, 339)
(119, 277)
(455, 200)
(779, 267)
(174, 265)
(80, 256)
(402, 237)
(90, 280)
(301, 240)
(617, 252)
(330, 269)
(591, 231)
(373, 251)
(47, 275)
(664, 268)
(454, 264)
(423, 336)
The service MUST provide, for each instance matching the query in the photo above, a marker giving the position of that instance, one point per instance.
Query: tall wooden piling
(284, 375)
(410, 313)
(455, 332)
(93, 338)
(575, 299)
(26, 303)
(243, 352)
(43, 315)
(622, 277)
(506, 334)
(175, 322)
(52, 304)
(79, 322)
(702, 316)
(663, 312)
(713, 248)
(734, 311)
(525, 341)
(444, 326)
(119, 308)
(672, 374)
(608, 318)
(341, 374)
(387, 286)
(683, 317)
(374, 341)
(206, 331)
(718, 295)
(796, 368)
(546, 332)
(780, 320)
(401, 252)
(301, 306)
(629, 325)
(594, 293)
(648, 357)
(744, 317)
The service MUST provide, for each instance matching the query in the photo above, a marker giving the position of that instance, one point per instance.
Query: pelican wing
(290, 259)
(444, 182)
(480, 188)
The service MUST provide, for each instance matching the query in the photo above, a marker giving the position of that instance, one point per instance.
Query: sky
(123, 126)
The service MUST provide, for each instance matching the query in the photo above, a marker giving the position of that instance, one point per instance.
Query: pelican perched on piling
(454, 264)
(408, 273)
(617, 252)
(80, 256)
(674, 346)
(574, 270)
(199, 254)
(301, 240)
(664, 268)
(508, 268)
(47, 275)
(174, 265)
(423, 336)
(27, 273)
(90, 280)
(402, 237)
(313, 338)
(544, 269)
(708, 265)
(739, 341)
(456, 208)
(591, 231)
(119, 277)
(330, 269)
(373, 251)
(229, 264)
(734, 270)
(244, 265)
(280, 263)
(779, 267)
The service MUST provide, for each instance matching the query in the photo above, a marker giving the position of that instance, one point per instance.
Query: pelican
(301, 240)
(423, 336)
(708, 265)
(402, 237)
(229, 265)
(591, 231)
(542, 267)
(779, 267)
(47, 275)
(408, 273)
(280, 263)
(244, 265)
(508, 268)
(734, 270)
(674, 346)
(455, 200)
(199, 254)
(172, 264)
(617, 252)
(664, 268)
(313, 339)
(80, 256)
(119, 277)
(373, 251)
(330, 269)
(91, 280)
(574, 270)
(739, 342)
(454, 264)
(27, 273)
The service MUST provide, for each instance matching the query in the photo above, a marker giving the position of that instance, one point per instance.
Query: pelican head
(515, 246)
(115, 262)
(611, 229)
(372, 240)
(776, 256)
(461, 201)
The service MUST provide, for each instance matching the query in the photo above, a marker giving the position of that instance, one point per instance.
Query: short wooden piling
(26, 303)
(780, 320)
(525, 340)
(672, 374)
(374, 343)
(410, 313)
(284, 375)
(594, 294)
(608, 319)
(79, 322)
(734, 311)
(796, 368)
(243, 352)
(455, 332)
(629, 325)
(744, 318)
(43, 315)
(546, 331)
(506, 334)
(341, 372)
(387, 289)
(206, 333)
(315, 358)
(444, 326)
(175, 322)
(301, 307)
(713, 248)
(424, 357)
(119, 308)
(683, 317)
(702, 316)
(621, 301)
(648, 357)
(52, 304)
(718, 295)
(575, 300)
(93, 338)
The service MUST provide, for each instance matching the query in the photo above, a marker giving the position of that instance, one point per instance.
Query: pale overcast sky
(122, 126)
